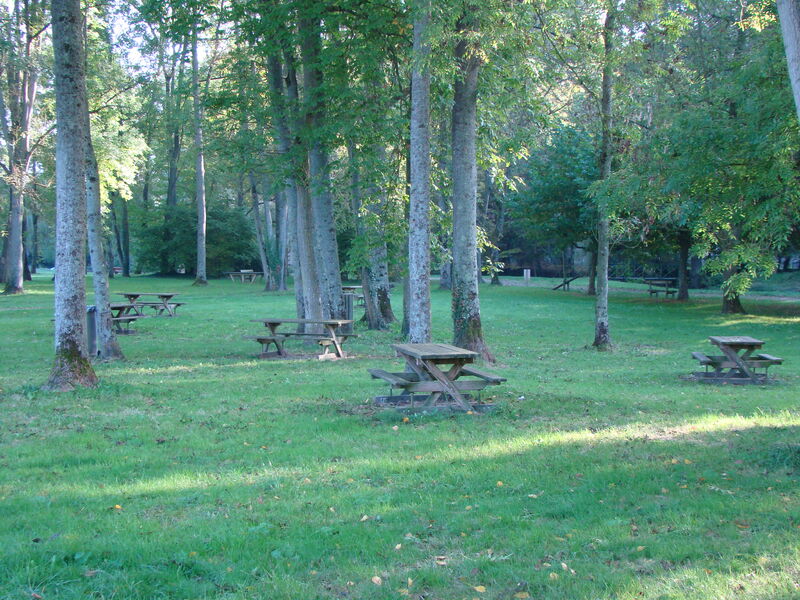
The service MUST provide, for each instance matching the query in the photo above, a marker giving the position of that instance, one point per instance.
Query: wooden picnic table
(656, 285)
(435, 369)
(244, 276)
(332, 336)
(351, 289)
(164, 304)
(737, 363)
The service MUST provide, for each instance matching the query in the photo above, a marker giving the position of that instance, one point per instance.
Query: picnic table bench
(429, 374)
(737, 364)
(331, 339)
(123, 314)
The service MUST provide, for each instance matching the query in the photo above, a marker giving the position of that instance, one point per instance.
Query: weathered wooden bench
(719, 362)
(565, 283)
(410, 382)
(278, 340)
(122, 324)
(266, 341)
(490, 377)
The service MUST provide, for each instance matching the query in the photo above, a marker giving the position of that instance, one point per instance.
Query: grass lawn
(196, 471)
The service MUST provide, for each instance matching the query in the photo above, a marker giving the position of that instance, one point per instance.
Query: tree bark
(789, 16)
(467, 328)
(322, 220)
(200, 168)
(591, 288)
(602, 333)
(260, 242)
(419, 243)
(107, 345)
(72, 367)
(684, 245)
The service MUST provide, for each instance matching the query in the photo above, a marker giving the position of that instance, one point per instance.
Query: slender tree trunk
(14, 268)
(72, 367)
(695, 268)
(281, 216)
(591, 288)
(684, 245)
(107, 346)
(419, 258)
(32, 241)
(200, 168)
(256, 213)
(602, 333)
(789, 16)
(322, 221)
(468, 331)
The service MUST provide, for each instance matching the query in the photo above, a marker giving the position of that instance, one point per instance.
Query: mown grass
(197, 471)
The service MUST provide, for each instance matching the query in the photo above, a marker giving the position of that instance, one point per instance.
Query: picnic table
(332, 337)
(656, 285)
(164, 303)
(737, 364)
(434, 370)
(244, 276)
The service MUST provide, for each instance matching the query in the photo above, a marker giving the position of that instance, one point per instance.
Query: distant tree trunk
(789, 16)
(312, 295)
(72, 367)
(32, 243)
(200, 168)
(732, 305)
(419, 259)
(107, 346)
(602, 333)
(322, 221)
(467, 328)
(281, 216)
(684, 245)
(696, 266)
(260, 242)
(591, 288)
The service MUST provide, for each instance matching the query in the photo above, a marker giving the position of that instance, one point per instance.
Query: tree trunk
(72, 367)
(419, 244)
(200, 169)
(591, 288)
(14, 269)
(696, 266)
(281, 216)
(467, 328)
(684, 245)
(256, 213)
(789, 16)
(602, 333)
(32, 237)
(732, 304)
(107, 346)
(322, 221)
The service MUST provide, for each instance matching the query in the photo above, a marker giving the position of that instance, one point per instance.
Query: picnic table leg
(336, 343)
(738, 361)
(447, 382)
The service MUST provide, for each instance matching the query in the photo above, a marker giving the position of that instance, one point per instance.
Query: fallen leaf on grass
(364, 518)
(377, 580)
(522, 595)
(479, 588)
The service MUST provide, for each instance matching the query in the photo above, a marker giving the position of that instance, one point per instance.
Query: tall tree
(419, 261)
(467, 327)
(72, 367)
(602, 333)
(200, 165)
(21, 32)
(789, 15)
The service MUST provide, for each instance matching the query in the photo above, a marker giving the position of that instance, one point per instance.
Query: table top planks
(337, 322)
(734, 340)
(434, 351)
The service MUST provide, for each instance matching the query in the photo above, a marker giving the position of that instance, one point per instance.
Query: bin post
(526, 275)
(91, 330)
